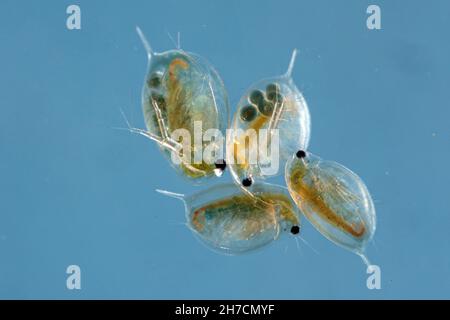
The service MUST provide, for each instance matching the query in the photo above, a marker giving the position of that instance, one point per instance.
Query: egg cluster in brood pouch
(183, 100)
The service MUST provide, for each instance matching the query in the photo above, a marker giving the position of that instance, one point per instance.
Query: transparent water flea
(273, 103)
(228, 221)
(181, 89)
(334, 199)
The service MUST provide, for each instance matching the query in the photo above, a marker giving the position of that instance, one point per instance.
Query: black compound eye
(300, 154)
(247, 182)
(295, 229)
(220, 164)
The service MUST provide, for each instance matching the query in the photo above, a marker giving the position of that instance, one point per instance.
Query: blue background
(74, 190)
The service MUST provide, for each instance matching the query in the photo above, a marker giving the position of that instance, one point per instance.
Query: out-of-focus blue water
(74, 190)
